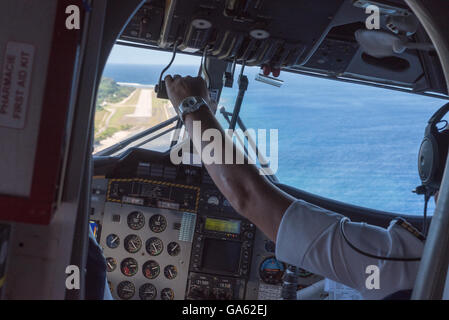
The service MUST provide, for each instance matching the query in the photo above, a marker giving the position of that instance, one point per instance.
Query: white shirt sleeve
(310, 237)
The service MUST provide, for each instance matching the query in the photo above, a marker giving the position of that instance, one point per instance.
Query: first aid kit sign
(15, 84)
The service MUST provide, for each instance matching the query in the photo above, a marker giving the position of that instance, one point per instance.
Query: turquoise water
(348, 142)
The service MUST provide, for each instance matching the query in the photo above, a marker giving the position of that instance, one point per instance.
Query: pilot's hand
(179, 88)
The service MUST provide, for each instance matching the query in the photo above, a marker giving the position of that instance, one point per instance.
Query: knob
(197, 293)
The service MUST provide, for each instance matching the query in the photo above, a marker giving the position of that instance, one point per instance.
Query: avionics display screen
(221, 225)
(221, 255)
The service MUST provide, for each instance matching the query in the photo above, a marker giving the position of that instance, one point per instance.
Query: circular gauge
(170, 272)
(151, 269)
(126, 290)
(111, 288)
(129, 267)
(147, 292)
(158, 223)
(271, 270)
(132, 243)
(111, 264)
(304, 273)
(226, 203)
(112, 241)
(154, 246)
(167, 294)
(213, 200)
(136, 220)
(270, 246)
(173, 249)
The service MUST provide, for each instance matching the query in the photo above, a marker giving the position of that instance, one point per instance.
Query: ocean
(351, 143)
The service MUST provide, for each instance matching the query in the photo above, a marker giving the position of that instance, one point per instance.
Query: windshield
(126, 101)
(347, 142)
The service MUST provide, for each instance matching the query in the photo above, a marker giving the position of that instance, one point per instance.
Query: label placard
(15, 84)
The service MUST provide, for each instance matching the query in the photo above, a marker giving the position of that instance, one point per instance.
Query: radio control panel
(210, 287)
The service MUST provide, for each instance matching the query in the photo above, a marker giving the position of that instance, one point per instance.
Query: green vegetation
(134, 98)
(109, 132)
(114, 117)
(100, 116)
(110, 92)
(119, 117)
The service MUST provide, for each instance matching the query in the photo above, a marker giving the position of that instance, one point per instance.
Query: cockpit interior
(166, 230)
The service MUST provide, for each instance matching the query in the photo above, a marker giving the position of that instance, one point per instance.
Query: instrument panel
(154, 193)
(145, 250)
(168, 233)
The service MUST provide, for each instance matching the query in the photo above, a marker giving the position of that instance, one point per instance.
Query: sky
(129, 55)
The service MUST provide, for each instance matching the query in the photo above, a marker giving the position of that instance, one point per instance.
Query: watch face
(191, 101)
(191, 104)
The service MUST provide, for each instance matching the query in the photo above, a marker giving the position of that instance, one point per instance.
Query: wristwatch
(189, 105)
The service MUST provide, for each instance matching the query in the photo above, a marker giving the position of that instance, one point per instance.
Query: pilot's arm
(311, 237)
(305, 235)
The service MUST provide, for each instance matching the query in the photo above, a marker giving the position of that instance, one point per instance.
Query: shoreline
(136, 85)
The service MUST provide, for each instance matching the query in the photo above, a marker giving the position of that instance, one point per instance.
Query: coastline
(136, 85)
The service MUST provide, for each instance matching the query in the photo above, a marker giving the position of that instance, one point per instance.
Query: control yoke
(160, 88)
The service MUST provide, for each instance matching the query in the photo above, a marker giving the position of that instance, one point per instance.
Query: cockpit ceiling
(312, 36)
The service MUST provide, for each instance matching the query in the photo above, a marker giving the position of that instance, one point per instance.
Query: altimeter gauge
(154, 246)
(125, 290)
(129, 267)
(170, 272)
(111, 264)
(167, 294)
(158, 223)
(173, 249)
(112, 241)
(136, 220)
(147, 291)
(132, 243)
(151, 269)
